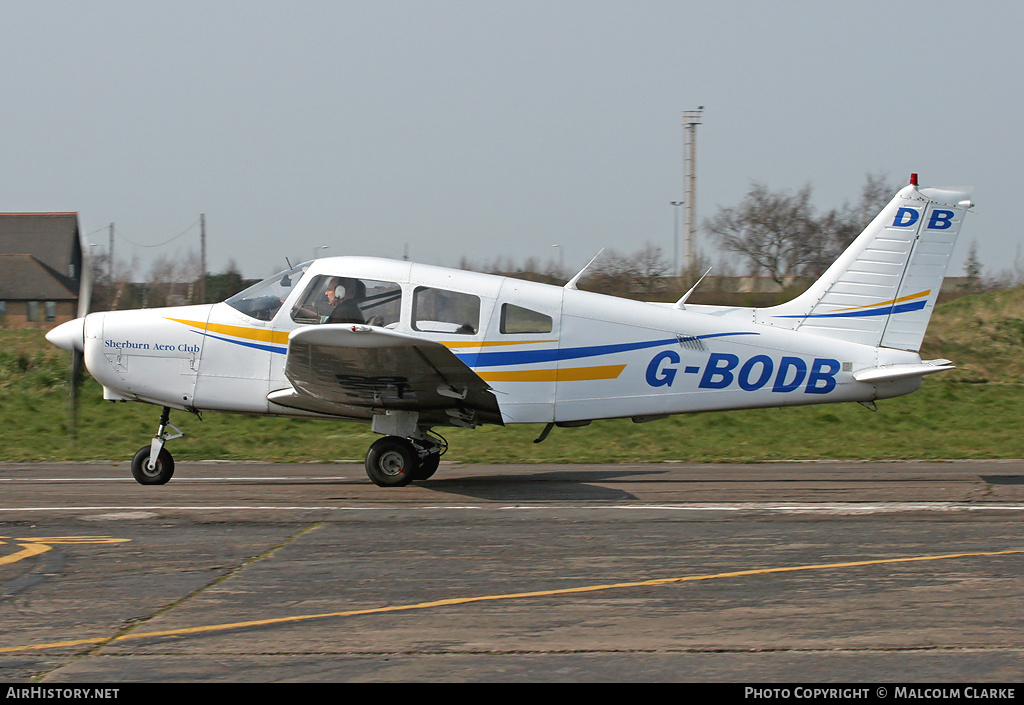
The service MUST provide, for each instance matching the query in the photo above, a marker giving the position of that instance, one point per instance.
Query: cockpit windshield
(262, 300)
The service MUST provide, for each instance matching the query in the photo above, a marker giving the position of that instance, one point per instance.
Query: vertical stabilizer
(882, 289)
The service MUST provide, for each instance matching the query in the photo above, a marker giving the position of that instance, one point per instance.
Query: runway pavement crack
(241, 567)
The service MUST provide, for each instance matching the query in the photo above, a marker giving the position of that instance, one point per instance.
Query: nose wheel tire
(157, 476)
(392, 462)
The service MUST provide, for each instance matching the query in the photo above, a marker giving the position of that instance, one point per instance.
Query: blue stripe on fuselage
(259, 346)
(885, 310)
(527, 357)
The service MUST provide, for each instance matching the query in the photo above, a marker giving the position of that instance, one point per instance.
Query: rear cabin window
(516, 319)
(443, 311)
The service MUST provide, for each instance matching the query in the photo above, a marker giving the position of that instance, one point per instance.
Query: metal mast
(202, 258)
(691, 118)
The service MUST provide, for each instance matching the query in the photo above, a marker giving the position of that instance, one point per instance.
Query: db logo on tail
(939, 220)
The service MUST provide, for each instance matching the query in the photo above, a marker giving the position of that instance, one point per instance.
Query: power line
(165, 242)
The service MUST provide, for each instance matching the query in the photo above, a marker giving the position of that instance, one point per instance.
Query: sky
(443, 130)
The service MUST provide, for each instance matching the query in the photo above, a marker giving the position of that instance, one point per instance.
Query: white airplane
(410, 347)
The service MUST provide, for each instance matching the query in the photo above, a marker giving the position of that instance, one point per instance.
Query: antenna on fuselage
(681, 303)
(571, 284)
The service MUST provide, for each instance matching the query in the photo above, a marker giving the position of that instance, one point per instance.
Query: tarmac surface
(778, 572)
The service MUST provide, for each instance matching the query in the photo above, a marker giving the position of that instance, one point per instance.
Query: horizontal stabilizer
(891, 373)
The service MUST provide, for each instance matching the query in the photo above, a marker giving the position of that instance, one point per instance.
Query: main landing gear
(153, 464)
(395, 461)
(392, 461)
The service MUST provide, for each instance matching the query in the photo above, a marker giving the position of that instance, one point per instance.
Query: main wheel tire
(392, 462)
(159, 475)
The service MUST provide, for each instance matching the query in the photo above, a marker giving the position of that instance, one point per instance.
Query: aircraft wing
(356, 370)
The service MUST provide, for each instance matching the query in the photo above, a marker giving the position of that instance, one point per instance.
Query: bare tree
(110, 284)
(972, 269)
(640, 275)
(841, 226)
(774, 231)
(780, 234)
(651, 268)
(1009, 277)
(170, 280)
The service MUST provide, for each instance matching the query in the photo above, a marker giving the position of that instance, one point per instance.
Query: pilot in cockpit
(346, 309)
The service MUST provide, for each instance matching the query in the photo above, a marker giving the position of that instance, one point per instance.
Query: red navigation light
(913, 179)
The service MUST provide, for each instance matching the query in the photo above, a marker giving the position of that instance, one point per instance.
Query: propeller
(71, 336)
(78, 353)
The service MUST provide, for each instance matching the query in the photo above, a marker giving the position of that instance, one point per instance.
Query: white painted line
(844, 509)
(177, 480)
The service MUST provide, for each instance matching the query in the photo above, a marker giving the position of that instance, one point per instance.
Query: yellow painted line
(36, 545)
(28, 550)
(74, 539)
(494, 598)
(887, 303)
(260, 334)
(565, 374)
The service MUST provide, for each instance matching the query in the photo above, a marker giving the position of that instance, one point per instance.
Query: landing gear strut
(153, 464)
(394, 461)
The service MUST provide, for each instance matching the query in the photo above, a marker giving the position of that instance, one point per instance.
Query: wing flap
(359, 369)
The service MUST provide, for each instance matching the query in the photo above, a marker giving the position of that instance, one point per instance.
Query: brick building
(40, 269)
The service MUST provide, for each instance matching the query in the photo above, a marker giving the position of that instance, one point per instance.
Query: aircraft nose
(69, 335)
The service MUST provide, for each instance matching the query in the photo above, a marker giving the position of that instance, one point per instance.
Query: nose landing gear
(153, 464)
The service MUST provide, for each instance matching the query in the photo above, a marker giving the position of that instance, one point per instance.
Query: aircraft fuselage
(550, 354)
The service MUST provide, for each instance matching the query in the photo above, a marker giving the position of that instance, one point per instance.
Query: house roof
(52, 238)
(23, 277)
(40, 256)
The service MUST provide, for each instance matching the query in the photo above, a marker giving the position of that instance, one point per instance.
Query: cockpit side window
(443, 311)
(263, 300)
(337, 299)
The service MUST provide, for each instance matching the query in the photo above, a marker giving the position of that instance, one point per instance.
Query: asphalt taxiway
(796, 572)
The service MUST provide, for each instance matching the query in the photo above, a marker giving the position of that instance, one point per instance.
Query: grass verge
(973, 412)
(944, 419)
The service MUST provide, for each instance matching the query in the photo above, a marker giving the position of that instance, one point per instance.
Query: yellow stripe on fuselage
(565, 374)
(891, 302)
(262, 335)
(281, 337)
(489, 343)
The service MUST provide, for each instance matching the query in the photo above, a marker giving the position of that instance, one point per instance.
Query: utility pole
(110, 256)
(202, 258)
(691, 118)
(675, 237)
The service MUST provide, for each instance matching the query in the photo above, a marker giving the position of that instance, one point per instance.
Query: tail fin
(882, 289)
